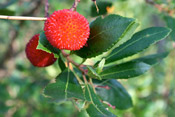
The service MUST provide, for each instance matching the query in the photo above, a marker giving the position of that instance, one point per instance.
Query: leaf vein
(120, 71)
(134, 42)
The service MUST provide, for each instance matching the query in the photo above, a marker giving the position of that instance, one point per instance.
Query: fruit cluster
(64, 29)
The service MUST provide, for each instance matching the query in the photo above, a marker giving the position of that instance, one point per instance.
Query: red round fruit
(37, 57)
(66, 29)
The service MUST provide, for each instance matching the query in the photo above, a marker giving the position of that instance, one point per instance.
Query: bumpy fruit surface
(66, 29)
(37, 57)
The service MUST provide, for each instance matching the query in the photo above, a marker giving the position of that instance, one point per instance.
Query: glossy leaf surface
(44, 45)
(138, 42)
(96, 108)
(104, 34)
(132, 68)
(115, 94)
(66, 86)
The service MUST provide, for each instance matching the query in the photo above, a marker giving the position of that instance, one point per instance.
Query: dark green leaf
(128, 34)
(170, 21)
(61, 64)
(44, 45)
(138, 42)
(104, 34)
(125, 70)
(116, 95)
(102, 5)
(152, 59)
(92, 73)
(96, 108)
(66, 86)
(132, 68)
(6, 12)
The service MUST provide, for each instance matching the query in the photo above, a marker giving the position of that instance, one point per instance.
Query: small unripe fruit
(66, 29)
(37, 57)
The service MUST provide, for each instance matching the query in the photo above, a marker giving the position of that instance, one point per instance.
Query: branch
(14, 33)
(46, 8)
(74, 6)
(95, 2)
(23, 18)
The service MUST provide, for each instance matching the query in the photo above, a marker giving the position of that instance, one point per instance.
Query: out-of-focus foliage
(21, 84)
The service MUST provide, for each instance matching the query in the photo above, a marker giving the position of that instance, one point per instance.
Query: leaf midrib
(67, 84)
(93, 101)
(135, 42)
(121, 71)
(110, 28)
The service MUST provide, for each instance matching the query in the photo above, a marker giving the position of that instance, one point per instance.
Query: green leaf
(132, 68)
(100, 66)
(66, 87)
(104, 34)
(128, 34)
(116, 95)
(152, 59)
(170, 21)
(44, 45)
(125, 70)
(102, 5)
(80, 104)
(92, 73)
(6, 12)
(96, 108)
(61, 64)
(138, 42)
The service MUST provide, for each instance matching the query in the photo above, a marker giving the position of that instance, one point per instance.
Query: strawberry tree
(111, 39)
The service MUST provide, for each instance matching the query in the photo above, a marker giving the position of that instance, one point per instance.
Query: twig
(95, 2)
(74, 6)
(37, 18)
(79, 66)
(46, 8)
(23, 18)
(104, 87)
(10, 51)
(110, 105)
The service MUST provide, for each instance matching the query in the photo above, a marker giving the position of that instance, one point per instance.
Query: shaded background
(21, 84)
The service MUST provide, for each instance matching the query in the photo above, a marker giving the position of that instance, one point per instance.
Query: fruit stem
(74, 6)
(79, 66)
(23, 18)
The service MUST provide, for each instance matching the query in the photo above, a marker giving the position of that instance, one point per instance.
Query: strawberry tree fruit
(38, 58)
(66, 29)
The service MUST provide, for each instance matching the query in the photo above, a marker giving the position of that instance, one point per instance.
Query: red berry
(66, 29)
(37, 57)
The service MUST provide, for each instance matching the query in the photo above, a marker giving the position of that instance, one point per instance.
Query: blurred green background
(21, 84)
